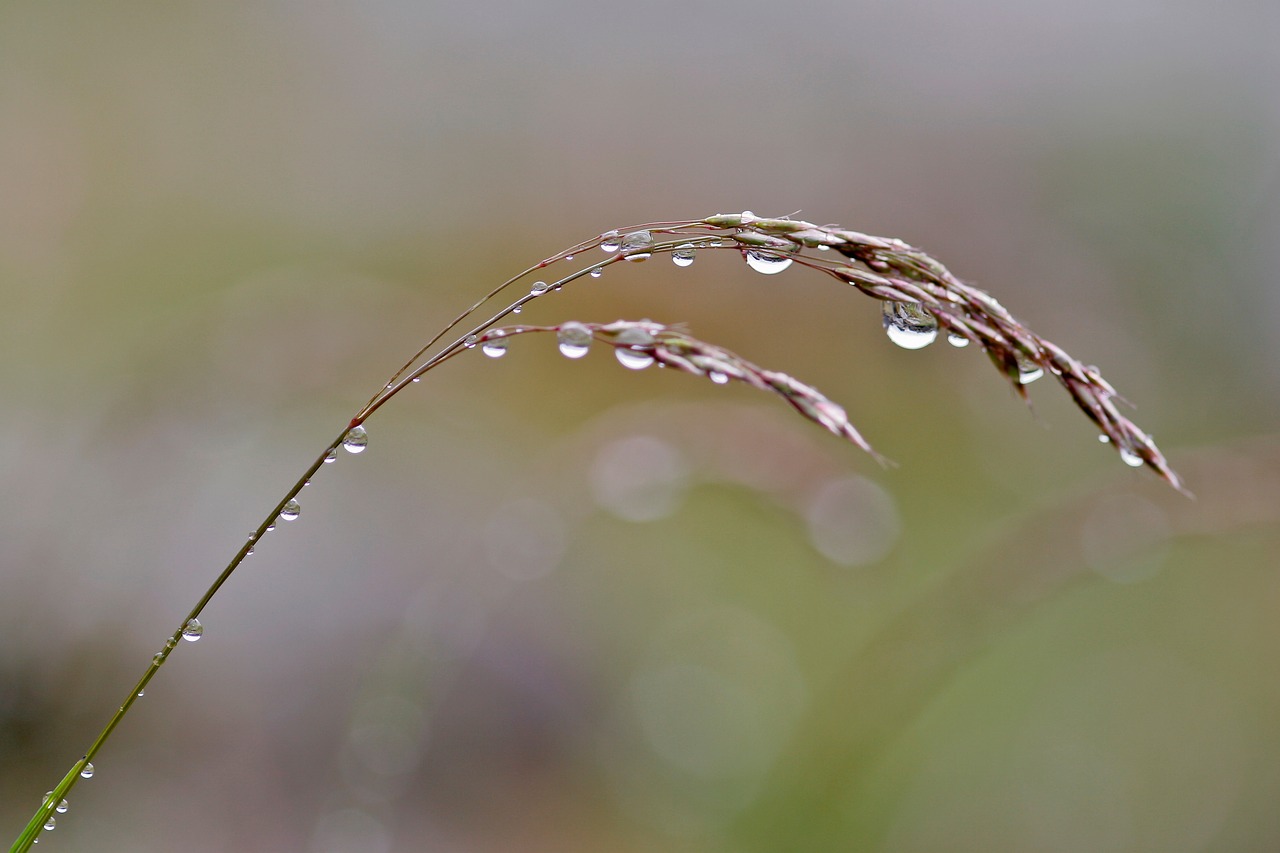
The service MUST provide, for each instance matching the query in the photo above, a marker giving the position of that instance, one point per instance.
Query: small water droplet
(61, 807)
(193, 630)
(1104, 438)
(575, 340)
(51, 822)
(496, 348)
(568, 257)
(717, 377)
(630, 358)
(331, 456)
(158, 657)
(909, 325)
(823, 247)
(957, 341)
(86, 772)
(636, 246)
(539, 287)
(610, 241)
(291, 511)
(356, 440)
(470, 341)
(748, 217)
(683, 255)
(1130, 458)
(597, 272)
(768, 263)
(1028, 370)
(417, 379)
(516, 309)
(141, 693)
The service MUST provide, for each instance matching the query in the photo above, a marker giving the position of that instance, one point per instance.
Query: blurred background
(557, 605)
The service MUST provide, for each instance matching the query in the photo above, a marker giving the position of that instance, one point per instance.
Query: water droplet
(823, 247)
(1104, 438)
(717, 377)
(61, 807)
(141, 693)
(636, 246)
(610, 241)
(158, 657)
(575, 340)
(51, 822)
(768, 263)
(516, 309)
(495, 348)
(909, 325)
(331, 456)
(291, 511)
(539, 287)
(193, 630)
(356, 440)
(568, 257)
(1028, 370)
(597, 272)
(957, 341)
(470, 341)
(748, 217)
(1130, 458)
(683, 255)
(631, 358)
(86, 772)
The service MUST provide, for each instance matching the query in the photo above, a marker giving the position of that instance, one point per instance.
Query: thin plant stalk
(910, 283)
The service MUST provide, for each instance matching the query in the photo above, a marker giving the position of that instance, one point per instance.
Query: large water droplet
(290, 511)
(61, 807)
(1028, 370)
(539, 287)
(356, 440)
(748, 217)
(909, 325)
(596, 272)
(610, 241)
(683, 255)
(766, 262)
(470, 341)
(86, 772)
(51, 822)
(495, 348)
(636, 246)
(631, 358)
(193, 630)
(575, 340)
(717, 377)
(957, 341)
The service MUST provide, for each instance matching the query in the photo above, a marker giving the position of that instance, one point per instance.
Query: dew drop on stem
(86, 772)
(610, 241)
(717, 377)
(193, 630)
(634, 359)
(356, 440)
(683, 255)
(1130, 458)
(636, 246)
(470, 341)
(766, 262)
(51, 822)
(1028, 370)
(539, 287)
(909, 324)
(596, 272)
(574, 339)
(291, 510)
(494, 349)
(957, 341)
(330, 456)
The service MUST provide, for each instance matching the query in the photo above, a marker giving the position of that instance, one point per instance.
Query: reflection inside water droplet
(291, 510)
(496, 348)
(766, 262)
(683, 255)
(574, 339)
(192, 631)
(909, 324)
(356, 441)
(86, 772)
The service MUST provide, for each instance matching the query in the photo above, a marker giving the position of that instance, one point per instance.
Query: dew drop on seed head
(636, 246)
(539, 287)
(193, 630)
(630, 358)
(1133, 460)
(1104, 438)
(610, 241)
(597, 272)
(768, 263)
(575, 340)
(957, 341)
(496, 348)
(683, 255)
(470, 341)
(1028, 370)
(356, 440)
(86, 772)
(291, 510)
(909, 324)
(717, 377)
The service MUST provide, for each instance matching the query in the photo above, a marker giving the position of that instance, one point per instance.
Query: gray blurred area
(560, 606)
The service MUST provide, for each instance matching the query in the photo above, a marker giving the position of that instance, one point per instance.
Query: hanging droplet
(1130, 458)
(539, 287)
(631, 358)
(717, 377)
(142, 693)
(636, 246)
(909, 325)
(1028, 370)
(51, 822)
(331, 456)
(495, 348)
(193, 630)
(568, 257)
(86, 772)
(610, 241)
(62, 806)
(683, 255)
(356, 440)
(596, 272)
(768, 263)
(291, 510)
(470, 341)
(1104, 438)
(957, 341)
(575, 340)
(516, 309)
